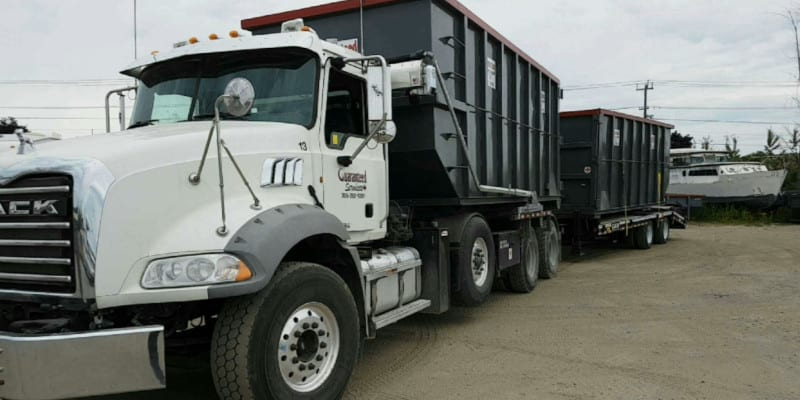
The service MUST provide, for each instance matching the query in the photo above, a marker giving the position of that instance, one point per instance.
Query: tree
(679, 141)
(706, 144)
(732, 147)
(773, 143)
(791, 15)
(793, 144)
(10, 125)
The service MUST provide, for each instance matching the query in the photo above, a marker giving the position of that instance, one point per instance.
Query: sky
(709, 60)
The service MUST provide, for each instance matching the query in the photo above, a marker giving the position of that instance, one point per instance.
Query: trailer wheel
(522, 278)
(549, 240)
(643, 236)
(661, 235)
(476, 263)
(298, 338)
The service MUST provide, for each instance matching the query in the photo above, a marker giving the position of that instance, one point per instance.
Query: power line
(679, 83)
(57, 82)
(723, 108)
(728, 121)
(58, 118)
(58, 107)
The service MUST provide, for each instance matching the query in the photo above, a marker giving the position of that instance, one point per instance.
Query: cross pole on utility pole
(648, 86)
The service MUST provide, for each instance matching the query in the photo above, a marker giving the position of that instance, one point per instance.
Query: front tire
(298, 338)
(476, 263)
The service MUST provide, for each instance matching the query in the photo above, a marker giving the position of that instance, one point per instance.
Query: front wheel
(298, 338)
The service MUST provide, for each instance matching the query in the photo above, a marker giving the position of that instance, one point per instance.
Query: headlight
(198, 270)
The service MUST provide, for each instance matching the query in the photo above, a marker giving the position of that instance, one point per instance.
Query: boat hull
(754, 190)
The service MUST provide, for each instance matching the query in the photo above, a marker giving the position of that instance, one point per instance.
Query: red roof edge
(601, 111)
(350, 5)
(314, 11)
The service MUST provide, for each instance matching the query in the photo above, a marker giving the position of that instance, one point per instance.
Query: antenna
(361, 16)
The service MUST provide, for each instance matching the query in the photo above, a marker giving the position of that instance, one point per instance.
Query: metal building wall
(612, 162)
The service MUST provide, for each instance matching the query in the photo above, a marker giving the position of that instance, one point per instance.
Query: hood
(148, 147)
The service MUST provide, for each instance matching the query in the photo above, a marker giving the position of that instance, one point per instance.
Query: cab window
(345, 113)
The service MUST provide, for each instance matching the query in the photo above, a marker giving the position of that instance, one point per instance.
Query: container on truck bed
(255, 202)
(505, 102)
(614, 172)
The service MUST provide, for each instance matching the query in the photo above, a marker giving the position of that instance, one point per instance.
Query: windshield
(185, 89)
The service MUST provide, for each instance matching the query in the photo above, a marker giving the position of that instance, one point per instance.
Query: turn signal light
(244, 273)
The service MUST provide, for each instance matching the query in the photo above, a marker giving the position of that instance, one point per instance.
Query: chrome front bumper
(44, 367)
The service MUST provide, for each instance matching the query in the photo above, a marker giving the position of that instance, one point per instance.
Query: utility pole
(135, 34)
(648, 86)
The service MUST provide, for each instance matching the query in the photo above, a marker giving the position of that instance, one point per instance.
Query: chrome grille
(36, 249)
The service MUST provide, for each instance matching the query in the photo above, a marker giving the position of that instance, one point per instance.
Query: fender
(263, 242)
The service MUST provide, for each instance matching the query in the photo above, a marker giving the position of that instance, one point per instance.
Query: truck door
(356, 194)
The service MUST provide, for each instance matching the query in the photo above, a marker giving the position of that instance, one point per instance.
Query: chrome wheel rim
(308, 347)
(649, 233)
(479, 261)
(665, 230)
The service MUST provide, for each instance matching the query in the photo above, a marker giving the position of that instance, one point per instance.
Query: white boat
(715, 176)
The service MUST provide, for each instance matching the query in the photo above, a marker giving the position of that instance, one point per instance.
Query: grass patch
(732, 215)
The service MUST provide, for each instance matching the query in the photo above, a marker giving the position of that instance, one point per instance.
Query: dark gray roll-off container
(506, 103)
(612, 162)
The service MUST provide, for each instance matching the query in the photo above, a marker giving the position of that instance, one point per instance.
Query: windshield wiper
(139, 124)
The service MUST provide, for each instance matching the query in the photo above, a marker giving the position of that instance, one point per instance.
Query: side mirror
(239, 97)
(379, 93)
(386, 133)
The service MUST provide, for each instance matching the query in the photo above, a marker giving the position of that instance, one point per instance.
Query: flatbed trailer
(639, 228)
(614, 172)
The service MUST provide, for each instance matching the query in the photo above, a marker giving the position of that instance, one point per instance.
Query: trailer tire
(522, 278)
(643, 236)
(661, 234)
(476, 263)
(549, 240)
(298, 338)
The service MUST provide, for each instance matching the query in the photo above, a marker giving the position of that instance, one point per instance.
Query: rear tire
(476, 263)
(661, 235)
(298, 338)
(522, 278)
(643, 236)
(549, 240)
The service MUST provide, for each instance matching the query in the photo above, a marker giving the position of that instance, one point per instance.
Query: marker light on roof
(213, 36)
(233, 34)
(294, 25)
(193, 40)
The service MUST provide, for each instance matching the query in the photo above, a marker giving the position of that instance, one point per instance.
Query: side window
(345, 113)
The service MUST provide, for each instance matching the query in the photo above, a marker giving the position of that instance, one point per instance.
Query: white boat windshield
(699, 158)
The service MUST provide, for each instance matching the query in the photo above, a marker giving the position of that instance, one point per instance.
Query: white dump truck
(254, 203)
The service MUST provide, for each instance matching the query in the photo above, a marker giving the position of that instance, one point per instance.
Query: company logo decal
(27, 207)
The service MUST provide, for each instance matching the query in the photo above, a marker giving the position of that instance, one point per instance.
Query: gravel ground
(714, 314)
